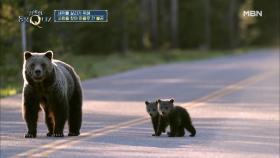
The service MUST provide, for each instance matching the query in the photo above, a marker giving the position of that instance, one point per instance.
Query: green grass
(89, 66)
(92, 66)
(8, 91)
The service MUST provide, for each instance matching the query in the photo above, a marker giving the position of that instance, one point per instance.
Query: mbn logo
(252, 13)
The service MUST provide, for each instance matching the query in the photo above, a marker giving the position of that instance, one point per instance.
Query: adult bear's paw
(49, 134)
(169, 134)
(73, 134)
(30, 135)
(58, 135)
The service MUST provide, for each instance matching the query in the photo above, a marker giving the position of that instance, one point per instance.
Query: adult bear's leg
(75, 112)
(30, 109)
(60, 112)
(49, 121)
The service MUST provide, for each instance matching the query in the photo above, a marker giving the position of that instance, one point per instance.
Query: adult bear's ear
(147, 103)
(49, 54)
(27, 55)
(172, 100)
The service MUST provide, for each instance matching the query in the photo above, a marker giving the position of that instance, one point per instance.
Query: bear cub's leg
(180, 131)
(173, 131)
(162, 125)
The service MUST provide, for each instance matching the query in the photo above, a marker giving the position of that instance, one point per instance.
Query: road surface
(233, 101)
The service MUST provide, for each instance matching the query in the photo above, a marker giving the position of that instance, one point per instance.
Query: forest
(151, 27)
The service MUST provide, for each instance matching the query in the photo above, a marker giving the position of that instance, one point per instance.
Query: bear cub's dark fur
(159, 122)
(55, 87)
(178, 118)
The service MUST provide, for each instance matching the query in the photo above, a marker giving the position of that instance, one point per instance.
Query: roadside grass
(92, 66)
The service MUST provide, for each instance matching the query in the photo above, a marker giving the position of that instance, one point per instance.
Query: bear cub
(156, 118)
(178, 117)
(55, 87)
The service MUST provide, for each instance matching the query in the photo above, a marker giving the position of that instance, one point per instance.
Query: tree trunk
(154, 23)
(143, 21)
(232, 23)
(174, 23)
(124, 36)
(125, 33)
(23, 29)
(207, 25)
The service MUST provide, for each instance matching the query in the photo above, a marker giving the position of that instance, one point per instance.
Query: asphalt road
(233, 101)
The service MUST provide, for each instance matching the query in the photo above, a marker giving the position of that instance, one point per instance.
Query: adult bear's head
(37, 66)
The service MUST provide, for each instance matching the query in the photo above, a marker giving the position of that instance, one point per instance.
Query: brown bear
(159, 122)
(178, 118)
(55, 87)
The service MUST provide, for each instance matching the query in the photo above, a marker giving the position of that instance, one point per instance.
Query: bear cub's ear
(49, 54)
(27, 55)
(147, 103)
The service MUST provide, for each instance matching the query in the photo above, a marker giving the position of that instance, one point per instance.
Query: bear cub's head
(165, 106)
(152, 108)
(37, 66)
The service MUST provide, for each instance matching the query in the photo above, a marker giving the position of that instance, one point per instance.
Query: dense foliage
(143, 25)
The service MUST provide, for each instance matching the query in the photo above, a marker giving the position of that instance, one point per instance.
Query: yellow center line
(69, 141)
(92, 135)
(227, 90)
(83, 136)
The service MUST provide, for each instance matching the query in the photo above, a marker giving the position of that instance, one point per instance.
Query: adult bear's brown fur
(55, 86)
